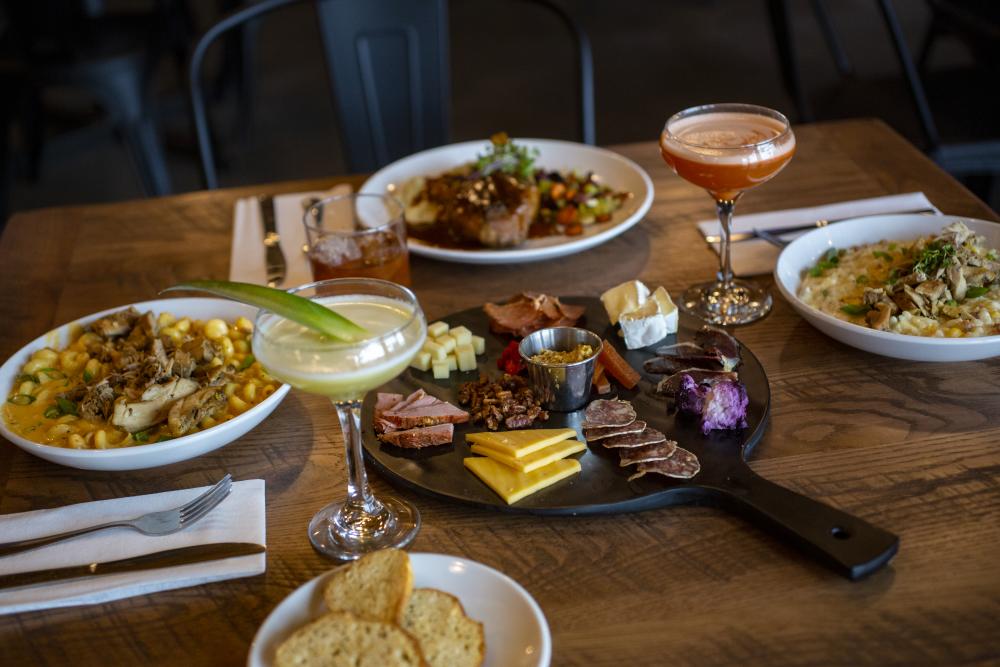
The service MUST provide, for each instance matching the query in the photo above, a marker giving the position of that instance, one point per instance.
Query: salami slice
(658, 452)
(604, 412)
(592, 434)
(650, 436)
(682, 464)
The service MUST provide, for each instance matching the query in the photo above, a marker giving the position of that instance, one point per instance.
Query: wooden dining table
(912, 447)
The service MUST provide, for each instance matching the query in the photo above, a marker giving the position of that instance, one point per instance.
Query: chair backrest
(388, 65)
(389, 73)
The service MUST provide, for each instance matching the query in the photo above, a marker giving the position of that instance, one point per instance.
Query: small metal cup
(560, 387)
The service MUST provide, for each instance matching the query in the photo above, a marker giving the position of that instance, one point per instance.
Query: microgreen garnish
(935, 255)
(977, 291)
(507, 157)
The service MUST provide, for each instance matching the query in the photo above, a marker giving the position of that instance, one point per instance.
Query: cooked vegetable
(617, 367)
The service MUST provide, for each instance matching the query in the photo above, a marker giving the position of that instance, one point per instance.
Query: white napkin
(247, 261)
(238, 518)
(756, 256)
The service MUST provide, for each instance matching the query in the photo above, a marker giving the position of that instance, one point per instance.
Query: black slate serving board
(847, 543)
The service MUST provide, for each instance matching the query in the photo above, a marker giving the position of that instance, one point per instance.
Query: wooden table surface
(911, 447)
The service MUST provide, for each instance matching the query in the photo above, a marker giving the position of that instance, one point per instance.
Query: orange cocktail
(727, 149)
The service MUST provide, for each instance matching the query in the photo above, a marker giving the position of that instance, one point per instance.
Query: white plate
(616, 171)
(140, 456)
(803, 252)
(517, 634)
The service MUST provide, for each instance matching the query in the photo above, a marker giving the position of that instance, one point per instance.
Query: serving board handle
(851, 546)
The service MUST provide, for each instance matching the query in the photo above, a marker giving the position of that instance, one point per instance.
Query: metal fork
(153, 523)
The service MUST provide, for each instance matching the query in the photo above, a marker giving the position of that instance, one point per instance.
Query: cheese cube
(466, 358)
(438, 353)
(422, 362)
(461, 335)
(667, 308)
(440, 369)
(643, 326)
(447, 342)
(452, 362)
(624, 298)
(479, 344)
(437, 329)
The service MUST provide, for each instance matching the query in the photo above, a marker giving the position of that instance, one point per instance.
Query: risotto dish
(946, 285)
(135, 378)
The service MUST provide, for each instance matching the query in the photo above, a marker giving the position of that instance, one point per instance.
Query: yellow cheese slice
(520, 443)
(513, 485)
(534, 460)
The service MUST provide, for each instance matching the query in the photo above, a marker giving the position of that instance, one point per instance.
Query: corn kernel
(244, 325)
(165, 320)
(215, 329)
(241, 346)
(228, 350)
(183, 325)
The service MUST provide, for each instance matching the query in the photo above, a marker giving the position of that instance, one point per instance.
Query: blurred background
(95, 105)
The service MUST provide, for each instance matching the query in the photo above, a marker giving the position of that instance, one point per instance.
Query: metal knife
(746, 236)
(275, 259)
(183, 556)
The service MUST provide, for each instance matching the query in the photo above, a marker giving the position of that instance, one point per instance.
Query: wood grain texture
(908, 446)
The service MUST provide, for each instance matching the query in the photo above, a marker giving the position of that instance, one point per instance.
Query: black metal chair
(387, 62)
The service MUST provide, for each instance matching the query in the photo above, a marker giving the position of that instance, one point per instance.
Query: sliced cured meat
(669, 385)
(718, 342)
(656, 452)
(415, 396)
(648, 437)
(682, 464)
(686, 349)
(528, 312)
(671, 365)
(426, 415)
(593, 434)
(385, 402)
(382, 426)
(415, 438)
(608, 412)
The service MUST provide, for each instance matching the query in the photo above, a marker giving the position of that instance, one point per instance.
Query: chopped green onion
(881, 254)
(290, 306)
(974, 292)
(87, 376)
(141, 436)
(66, 406)
(21, 399)
(861, 280)
(27, 377)
(951, 302)
(855, 309)
(893, 277)
(52, 374)
(246, 363)
(52, 412)
(816, 271)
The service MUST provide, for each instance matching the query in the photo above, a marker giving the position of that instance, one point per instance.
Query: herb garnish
(973, 292)
(66, 406)
(855, 309)
(861, 280)
(507, 157)
(828, 260)
(881, 254)
(935, 255)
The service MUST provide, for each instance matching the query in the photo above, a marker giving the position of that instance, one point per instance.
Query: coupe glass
(344, 373)
(727, 149)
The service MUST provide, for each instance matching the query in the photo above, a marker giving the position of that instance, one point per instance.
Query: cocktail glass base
(740, 302)
(344, 531)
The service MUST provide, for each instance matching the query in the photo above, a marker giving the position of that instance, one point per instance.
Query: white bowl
(615, 170)
(140, 456)
(803, 253)
(517, 634)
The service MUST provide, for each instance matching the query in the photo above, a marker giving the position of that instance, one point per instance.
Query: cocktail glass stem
(359, 495)
(361, 523)
(724, 207)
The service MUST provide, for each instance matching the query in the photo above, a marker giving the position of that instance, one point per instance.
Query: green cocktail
(344, 372)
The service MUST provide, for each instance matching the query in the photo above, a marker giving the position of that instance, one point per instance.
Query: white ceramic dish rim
(255, 657)
(149, 450)
(570, 246)
(848, 225)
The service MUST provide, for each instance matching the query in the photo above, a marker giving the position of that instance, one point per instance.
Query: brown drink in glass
(727, 149)
(358, 236)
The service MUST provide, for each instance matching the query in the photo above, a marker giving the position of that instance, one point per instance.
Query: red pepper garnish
(510, 359)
